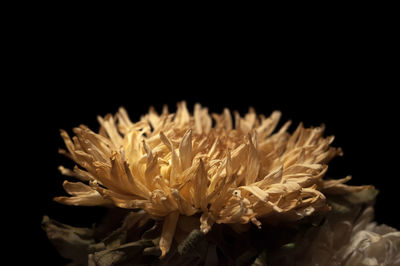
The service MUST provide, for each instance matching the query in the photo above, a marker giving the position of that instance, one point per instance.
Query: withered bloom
(233, 170)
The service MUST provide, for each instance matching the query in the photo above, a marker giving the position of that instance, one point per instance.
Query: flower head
(227, 170)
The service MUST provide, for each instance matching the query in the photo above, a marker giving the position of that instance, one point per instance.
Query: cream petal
(258, 192)
(185, 150)
(200, 187)
(253, 164)
(168, 231)
(82, 195)
(175, 163)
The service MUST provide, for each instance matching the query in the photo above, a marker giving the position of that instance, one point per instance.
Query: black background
(348, 83)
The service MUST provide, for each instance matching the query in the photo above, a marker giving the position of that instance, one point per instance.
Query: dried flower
(173, 165)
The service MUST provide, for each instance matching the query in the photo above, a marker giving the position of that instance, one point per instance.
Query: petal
(253, 164)
(83, 195)
(258, 192)
(200, 187)
(168, 231)
(185, 150)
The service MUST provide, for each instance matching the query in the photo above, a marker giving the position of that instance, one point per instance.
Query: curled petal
(82, 195)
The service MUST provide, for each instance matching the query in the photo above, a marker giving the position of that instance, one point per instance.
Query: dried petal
(168, 231)
(234, 173)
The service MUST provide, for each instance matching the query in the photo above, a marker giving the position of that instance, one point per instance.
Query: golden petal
(168, 231)
(185, 150)
(258, 192)
(253, 164)
(200, 187)
(83, 195)
(108, 124)
(175, 163)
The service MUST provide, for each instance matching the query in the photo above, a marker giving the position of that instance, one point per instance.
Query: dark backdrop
(342, 79)
(339, 70)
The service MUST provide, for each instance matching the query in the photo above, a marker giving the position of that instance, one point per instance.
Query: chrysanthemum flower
(230, 172)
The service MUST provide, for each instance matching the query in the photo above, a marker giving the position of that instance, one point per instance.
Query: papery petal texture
(225, 169)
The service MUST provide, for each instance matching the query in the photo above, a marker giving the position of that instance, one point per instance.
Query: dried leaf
(71, 242)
